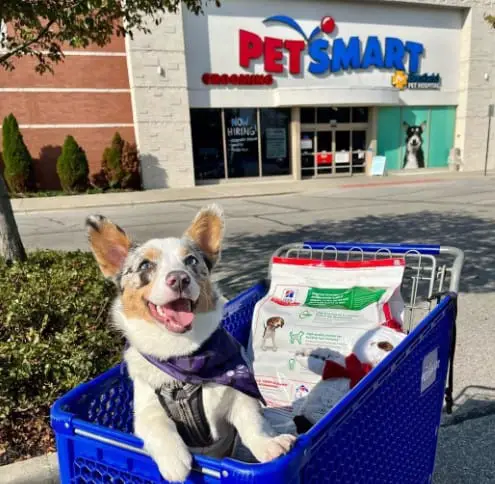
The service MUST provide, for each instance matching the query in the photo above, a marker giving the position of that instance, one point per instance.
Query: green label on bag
(354, 298)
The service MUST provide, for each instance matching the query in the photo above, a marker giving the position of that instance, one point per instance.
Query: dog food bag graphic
(315, 305)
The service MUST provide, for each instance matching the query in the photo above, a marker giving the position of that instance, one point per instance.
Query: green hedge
(72, 166)
(16, 156)
(112, 162)
(53, 334)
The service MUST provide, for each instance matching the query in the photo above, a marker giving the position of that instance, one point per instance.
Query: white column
(295, 144)
(158, 82)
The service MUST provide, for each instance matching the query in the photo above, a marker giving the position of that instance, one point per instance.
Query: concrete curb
(228, 190)
(39, 470)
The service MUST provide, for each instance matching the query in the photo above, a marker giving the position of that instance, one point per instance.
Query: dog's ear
(109, 244)
(207, 230)
(423, 125)
(405, 125)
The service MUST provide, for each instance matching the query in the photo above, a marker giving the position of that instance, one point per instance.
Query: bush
(112, 162)
(16, 157)
(131, 166)
(98, 180)
(53, 336)
(72, 166)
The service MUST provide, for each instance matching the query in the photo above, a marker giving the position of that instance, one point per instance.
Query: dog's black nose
(178, 280)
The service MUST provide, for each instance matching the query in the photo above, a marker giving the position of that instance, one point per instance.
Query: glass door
(308, 140)
(325, 153)
(343, 151)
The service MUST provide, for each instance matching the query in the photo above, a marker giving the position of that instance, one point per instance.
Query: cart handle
(367, 247)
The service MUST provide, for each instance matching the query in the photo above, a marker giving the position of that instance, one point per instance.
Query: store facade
(283, 89)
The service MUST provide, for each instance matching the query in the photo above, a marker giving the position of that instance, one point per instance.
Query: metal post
(490, 114)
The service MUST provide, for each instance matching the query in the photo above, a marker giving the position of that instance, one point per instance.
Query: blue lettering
(394, 54)
(345, 57)
(318, 51)
(415, 50)
(372, 54)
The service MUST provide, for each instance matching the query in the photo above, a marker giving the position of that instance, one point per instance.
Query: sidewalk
(227, 190)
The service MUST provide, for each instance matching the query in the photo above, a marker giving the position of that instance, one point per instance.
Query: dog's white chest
(411, 161)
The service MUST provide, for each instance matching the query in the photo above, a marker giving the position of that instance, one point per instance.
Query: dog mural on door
(414, 156)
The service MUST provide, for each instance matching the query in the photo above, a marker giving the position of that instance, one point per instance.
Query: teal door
(389, 136)
(437, 137)
(442, 120)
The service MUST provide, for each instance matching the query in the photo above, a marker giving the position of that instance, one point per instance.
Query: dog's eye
(145, 265)
(190, 260)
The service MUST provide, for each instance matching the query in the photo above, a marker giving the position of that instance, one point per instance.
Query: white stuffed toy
(340, 374)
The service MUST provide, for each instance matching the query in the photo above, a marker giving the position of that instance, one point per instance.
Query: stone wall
(157, 74)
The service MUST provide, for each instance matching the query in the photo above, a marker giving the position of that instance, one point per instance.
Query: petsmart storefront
(295, 89)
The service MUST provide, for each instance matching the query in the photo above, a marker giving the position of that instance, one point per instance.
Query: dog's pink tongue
(180, 312)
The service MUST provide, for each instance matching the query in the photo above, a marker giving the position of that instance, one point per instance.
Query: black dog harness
(183, 403)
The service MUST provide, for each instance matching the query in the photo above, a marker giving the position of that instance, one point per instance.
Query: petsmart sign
(326, 55)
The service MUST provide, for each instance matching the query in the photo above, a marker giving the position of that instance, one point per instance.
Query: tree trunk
(11, 247)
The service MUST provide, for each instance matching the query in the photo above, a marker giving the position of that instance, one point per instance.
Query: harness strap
(183, 403)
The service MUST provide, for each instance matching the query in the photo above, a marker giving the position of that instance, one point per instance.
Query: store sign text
(326, 56)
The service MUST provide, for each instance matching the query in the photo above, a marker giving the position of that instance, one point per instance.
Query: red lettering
(273, 54)
(295, 48)
(205, 78)
(269, 80)
(250, 47)
(215, 79)
(224, 79)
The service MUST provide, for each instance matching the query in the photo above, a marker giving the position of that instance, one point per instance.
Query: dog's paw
(175, 464)
(277, 446)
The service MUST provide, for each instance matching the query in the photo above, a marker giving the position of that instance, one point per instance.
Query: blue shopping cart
(384, 430)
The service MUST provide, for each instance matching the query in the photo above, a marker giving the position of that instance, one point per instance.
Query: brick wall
(87, 97)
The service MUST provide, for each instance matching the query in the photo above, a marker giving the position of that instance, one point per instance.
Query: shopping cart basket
(384, 430)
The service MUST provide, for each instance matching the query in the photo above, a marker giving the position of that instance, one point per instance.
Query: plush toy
(340, 374)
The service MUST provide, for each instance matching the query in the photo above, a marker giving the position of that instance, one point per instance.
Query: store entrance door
(326, 152)
(329, 148)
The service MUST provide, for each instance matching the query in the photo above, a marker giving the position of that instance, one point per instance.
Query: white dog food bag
(313, 305)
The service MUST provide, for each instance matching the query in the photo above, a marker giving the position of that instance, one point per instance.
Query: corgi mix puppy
(194, 391)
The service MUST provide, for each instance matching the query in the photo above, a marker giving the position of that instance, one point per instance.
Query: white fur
(222, 404)
(412, 161)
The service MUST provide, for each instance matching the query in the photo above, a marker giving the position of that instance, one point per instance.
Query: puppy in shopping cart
(194, 390)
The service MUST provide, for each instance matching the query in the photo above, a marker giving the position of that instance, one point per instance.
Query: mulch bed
(26, 436)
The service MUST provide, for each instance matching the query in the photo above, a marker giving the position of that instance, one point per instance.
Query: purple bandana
(218, 360)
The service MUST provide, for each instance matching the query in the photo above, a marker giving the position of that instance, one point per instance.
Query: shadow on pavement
(466, 444)
(245, 257)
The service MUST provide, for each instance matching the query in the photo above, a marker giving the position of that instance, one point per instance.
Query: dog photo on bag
(194, 390)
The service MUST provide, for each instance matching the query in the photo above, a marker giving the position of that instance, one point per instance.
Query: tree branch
(25, 45)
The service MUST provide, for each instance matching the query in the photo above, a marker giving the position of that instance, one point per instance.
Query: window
(308, 115)
(207, 141)
(359, 115)
(359, 140)
(342, 141)
(275, 154)
(339, 115)
(241, 133)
